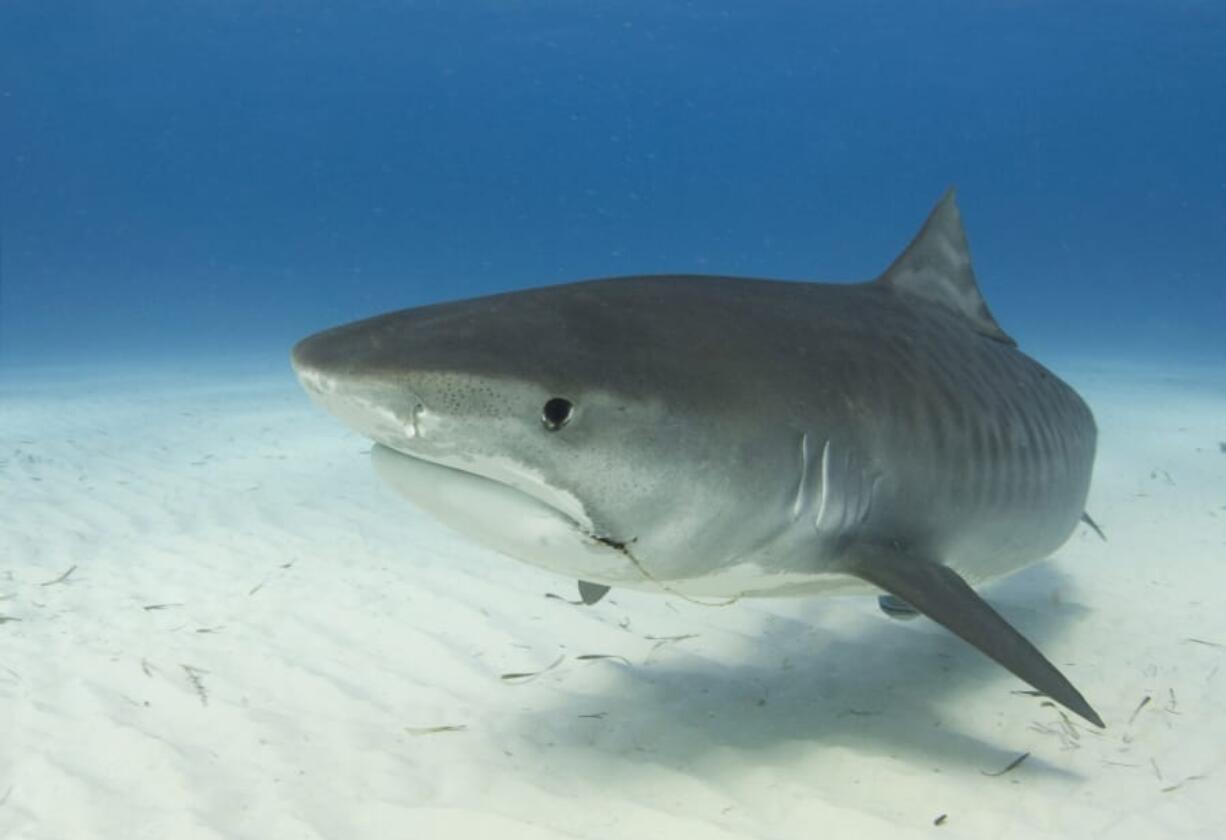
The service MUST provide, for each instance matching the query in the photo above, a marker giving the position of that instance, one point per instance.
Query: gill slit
(825, 491)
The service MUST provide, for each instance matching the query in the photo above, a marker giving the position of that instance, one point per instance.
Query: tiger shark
(712, 436)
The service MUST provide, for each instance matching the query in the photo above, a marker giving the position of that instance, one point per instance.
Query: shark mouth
(493, 501)
(518, 521)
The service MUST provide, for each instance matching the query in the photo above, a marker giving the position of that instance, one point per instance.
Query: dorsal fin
(937, 267)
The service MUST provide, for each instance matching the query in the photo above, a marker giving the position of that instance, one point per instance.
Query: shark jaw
(508, 519)
(494, 501)
(524, 526)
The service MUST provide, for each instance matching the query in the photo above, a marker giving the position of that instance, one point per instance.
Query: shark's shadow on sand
(853, 679)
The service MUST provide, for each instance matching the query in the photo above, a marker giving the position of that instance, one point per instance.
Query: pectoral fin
(940, 593)
(590, 593)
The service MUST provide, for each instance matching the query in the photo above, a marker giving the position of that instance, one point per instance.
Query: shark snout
(397, 348)
(327, 355)
(341, 370)
(320, 376)
(353, 355)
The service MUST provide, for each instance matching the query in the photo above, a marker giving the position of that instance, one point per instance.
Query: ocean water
(206, 178)
(216, 622)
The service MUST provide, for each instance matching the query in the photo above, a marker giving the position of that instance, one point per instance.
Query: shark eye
(557, 413)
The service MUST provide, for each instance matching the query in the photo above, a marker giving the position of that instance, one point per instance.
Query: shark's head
(563, 426)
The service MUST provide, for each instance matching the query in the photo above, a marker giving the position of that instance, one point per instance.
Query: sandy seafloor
(218, 623)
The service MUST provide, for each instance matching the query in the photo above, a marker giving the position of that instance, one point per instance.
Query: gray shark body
(715, 436)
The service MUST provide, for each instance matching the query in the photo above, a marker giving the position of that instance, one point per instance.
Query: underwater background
(217, 179)
(217, 622)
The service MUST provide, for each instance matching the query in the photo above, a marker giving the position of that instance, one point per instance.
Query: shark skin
(734, 437)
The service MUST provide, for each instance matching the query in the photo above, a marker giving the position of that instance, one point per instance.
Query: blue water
(220, 178)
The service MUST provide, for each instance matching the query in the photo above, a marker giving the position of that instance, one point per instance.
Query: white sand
(219, 624)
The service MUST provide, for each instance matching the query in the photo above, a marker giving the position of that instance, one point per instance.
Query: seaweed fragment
(196, 677)
(1012, 765)
(588, 657)
(62, 578)
(528, 676)
(434, 730)
(1178, 785)
(557, 597)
